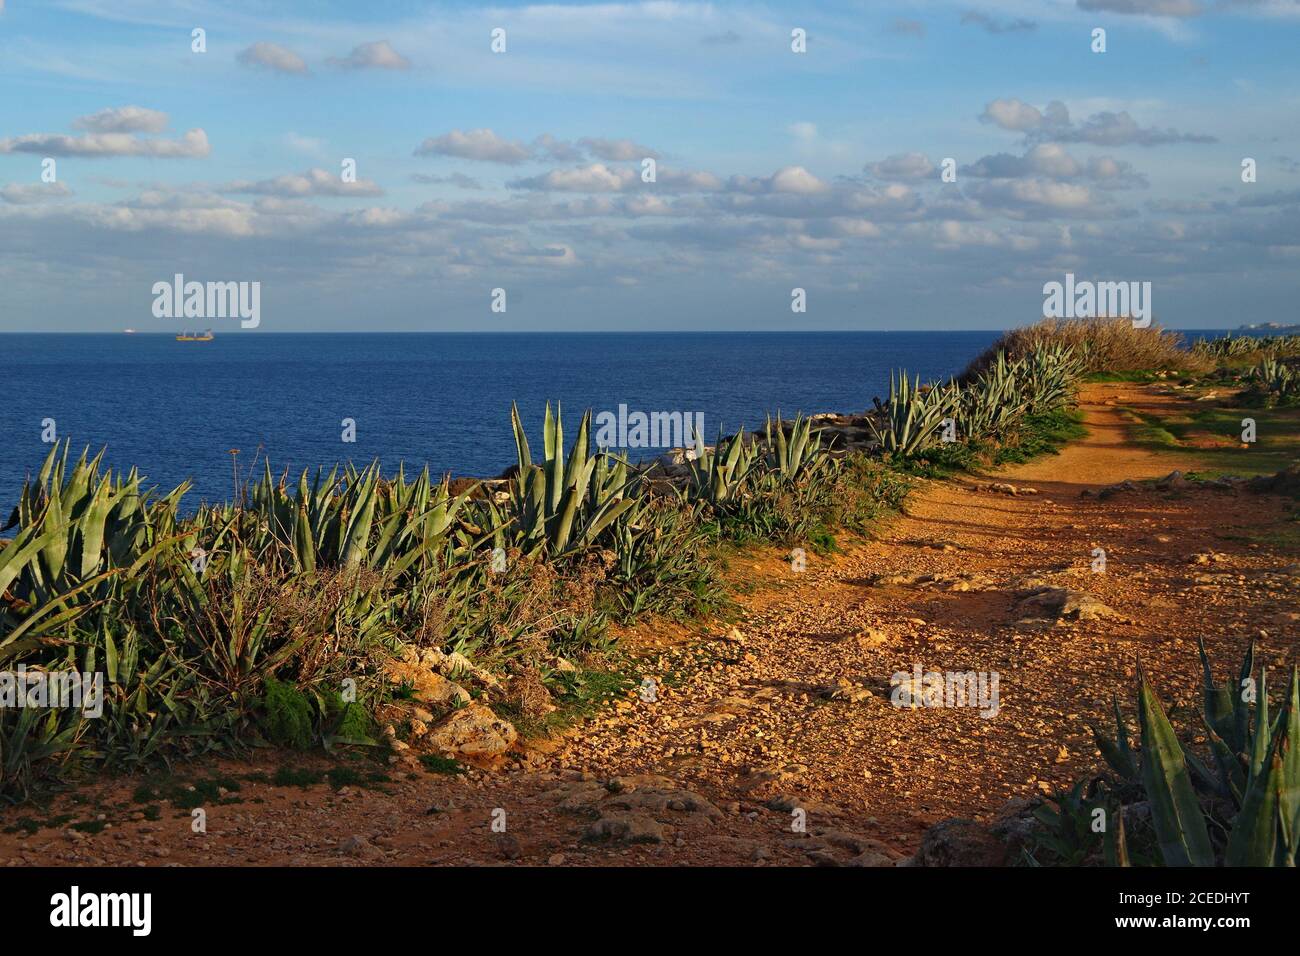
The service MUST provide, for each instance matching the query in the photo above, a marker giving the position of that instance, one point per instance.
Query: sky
(523, 169)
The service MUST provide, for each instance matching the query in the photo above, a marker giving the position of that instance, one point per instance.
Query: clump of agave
(562, 505)
(794, 458)
(992, 405)
(720, 475)
(1243, 812)
(1239, 346)
(1274, 382)
(912, 418)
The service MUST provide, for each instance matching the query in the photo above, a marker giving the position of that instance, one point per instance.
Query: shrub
(1105, 345)
(286, 716)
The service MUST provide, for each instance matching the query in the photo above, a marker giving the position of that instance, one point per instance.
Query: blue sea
(176, 409)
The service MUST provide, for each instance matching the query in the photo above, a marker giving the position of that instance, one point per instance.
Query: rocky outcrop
(1285, 482)
(1053, 604)
(472, 731)
(959, 842)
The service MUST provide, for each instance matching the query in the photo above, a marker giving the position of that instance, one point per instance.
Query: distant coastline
(1269, 327)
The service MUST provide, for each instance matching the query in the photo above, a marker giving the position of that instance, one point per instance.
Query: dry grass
(1110, 345)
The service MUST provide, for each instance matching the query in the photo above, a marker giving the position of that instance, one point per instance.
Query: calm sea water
(176, 409)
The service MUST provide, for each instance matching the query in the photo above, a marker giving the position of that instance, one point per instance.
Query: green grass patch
(296, 777)
(444, 765)
(1044, 434)
(1211, 433)
(184, 794)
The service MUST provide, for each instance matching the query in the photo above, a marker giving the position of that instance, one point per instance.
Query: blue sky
(521, 170)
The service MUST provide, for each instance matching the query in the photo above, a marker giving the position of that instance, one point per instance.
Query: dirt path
(790, 719)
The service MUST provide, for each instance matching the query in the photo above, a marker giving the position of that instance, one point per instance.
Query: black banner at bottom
(335, 905)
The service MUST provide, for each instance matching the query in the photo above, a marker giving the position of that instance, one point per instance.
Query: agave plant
(560, 506)
(720, 475)
(793, 458)
(991, 405)
(1047, 376)
(77, 531)
(354, 521)
(1235, 346)
(912, 417)
(1275, 382)
(1255, 788)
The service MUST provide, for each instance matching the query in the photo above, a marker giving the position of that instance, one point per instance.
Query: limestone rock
(473, 731)
(426, 686)
(1050, 603)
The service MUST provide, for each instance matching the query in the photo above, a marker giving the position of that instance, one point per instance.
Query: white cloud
(29, 193)
(459, 180)
(314, 182)
(376, 55)
(1015, 115)
(902, 166)
(123, 119)
(478, 144)
(272, 56)
(1106, 128)
(617, 150)
(796, 179)
(1144, 8)
(595, 178)
(192, 145)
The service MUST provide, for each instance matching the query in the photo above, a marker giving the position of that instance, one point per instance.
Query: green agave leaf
(1289, 779)
(1253, 840)
(1176, 815)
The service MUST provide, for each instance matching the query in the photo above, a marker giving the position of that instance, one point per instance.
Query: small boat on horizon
(207, 336)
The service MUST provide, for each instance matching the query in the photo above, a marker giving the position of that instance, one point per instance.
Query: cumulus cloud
(794, 180)
(989, 25)
(477, 144)
(902, 166)
(601, 178)
(486, 146)
(547, 146)
(617, 150)
(376, 55)
(1052, 161)
(314, 182)
(1101, 129)
(459, 180)
(1040, 198)
(29, 193)
(595, 178)
(1145, 8)
(1120, 129)
(123, 119)
(274, 57)
(193, 145)
(1018, 116)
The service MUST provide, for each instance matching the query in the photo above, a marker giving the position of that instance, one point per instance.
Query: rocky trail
(778, 743)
